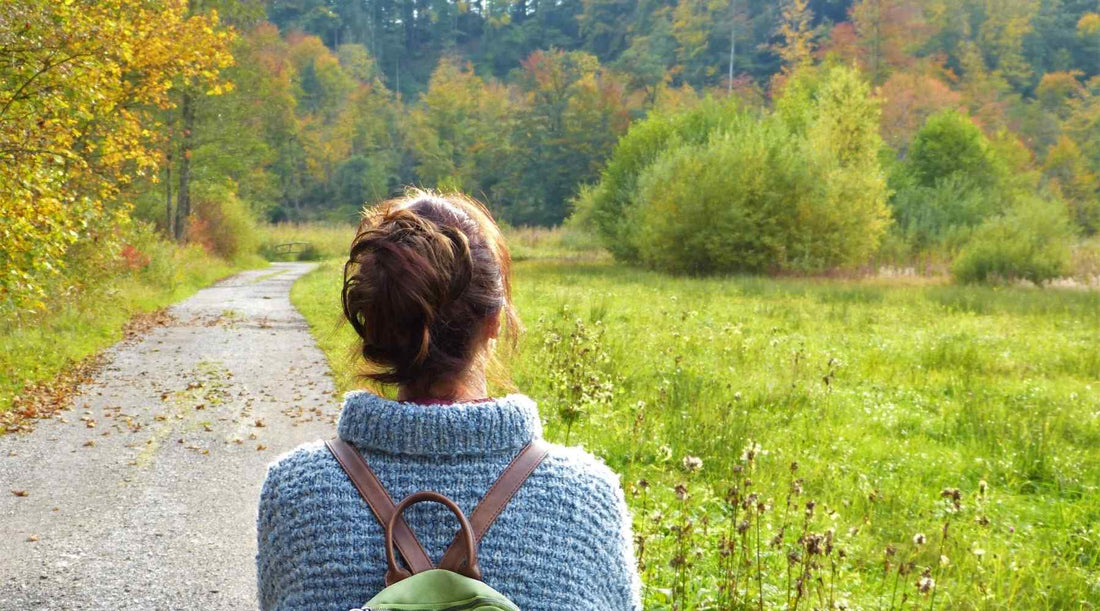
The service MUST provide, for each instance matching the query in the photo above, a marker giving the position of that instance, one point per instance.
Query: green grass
(39, 346)
(884, 394)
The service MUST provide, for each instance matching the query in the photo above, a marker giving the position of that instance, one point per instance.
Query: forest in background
(204, 116)
(521, 102)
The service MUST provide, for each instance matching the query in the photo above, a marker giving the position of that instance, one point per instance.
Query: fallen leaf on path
(45, 399)
(19, 492)
(259, 423)
(208, 428)
(89, 444)
(261, 447)
(32, 538)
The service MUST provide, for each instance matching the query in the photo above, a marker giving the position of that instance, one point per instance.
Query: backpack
(455, 585)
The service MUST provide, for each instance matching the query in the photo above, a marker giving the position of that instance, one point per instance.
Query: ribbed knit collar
(397, 427)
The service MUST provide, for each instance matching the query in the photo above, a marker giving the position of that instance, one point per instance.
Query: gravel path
(143, 494)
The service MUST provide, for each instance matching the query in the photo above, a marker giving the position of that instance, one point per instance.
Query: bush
(221, 222)
(927, 215)
(950, 144)
(1031, 242)
(717, 189)
(757, 198)
(951, 181)
(605, 206)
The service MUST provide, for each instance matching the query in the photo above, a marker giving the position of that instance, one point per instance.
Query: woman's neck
(451, 391)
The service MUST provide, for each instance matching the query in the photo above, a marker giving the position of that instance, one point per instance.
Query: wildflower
(982, 520)
(918, 539)
(742, 527)
(810, 504)
(794, 467)
(979, 552)
(944, 560)
(796, 487)
(643, 484)
(981, 487)
(692, 464)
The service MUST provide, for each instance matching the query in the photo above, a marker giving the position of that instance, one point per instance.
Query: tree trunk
(168, 224)
(733, 42)
(183, 201)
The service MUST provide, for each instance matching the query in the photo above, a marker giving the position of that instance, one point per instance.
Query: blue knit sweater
(563, 542)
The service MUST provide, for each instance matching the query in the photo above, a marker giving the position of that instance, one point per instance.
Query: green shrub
(221, 222)
(757, 198)
(928, 215)
(717, 189)
(1031, 242)
(606, 205)
(950, 144)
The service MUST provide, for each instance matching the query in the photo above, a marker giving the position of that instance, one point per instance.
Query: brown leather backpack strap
(380, 503)
(502, 491)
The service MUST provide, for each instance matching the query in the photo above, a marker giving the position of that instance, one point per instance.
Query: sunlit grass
(886, 395)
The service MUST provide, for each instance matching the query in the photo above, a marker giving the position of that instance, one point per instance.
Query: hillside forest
(881, 131)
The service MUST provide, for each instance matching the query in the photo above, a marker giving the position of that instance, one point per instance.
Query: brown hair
(425, 273)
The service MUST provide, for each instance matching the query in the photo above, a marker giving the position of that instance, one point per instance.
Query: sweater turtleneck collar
(397, 427)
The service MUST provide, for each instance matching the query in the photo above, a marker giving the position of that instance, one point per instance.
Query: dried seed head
(794, 467)
(692, 464)
(643, 484)
(814, 544)
(981, 487)
(810, 504)
(925, 584)
(682, 492)
(890, 550)
(777, 540)
(796, 487)
(742, 527)
(918, 539)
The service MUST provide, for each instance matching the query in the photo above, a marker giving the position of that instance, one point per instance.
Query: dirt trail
(143, 495)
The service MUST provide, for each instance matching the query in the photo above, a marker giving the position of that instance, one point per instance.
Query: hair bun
(423, 275)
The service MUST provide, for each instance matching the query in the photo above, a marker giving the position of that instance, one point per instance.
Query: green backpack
(456, 584)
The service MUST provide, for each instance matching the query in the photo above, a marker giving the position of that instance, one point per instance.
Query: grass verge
(39, 347)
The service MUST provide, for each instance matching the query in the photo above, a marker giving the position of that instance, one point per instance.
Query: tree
(82, 83)
(572, 112)
(1067, 170)
(797, 46)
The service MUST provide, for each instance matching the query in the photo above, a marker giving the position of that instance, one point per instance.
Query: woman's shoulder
(302, 463)
(571, 468)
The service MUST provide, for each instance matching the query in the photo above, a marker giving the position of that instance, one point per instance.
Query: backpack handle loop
(395, 573)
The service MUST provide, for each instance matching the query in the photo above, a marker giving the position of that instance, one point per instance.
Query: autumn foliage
(82, 81)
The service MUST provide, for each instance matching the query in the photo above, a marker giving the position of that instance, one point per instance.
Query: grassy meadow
(817, 444)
